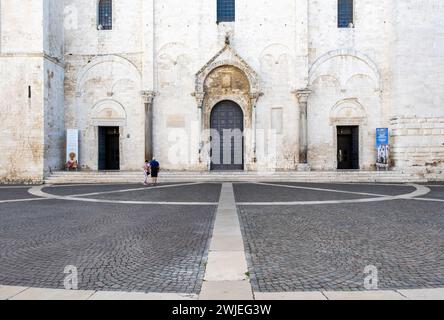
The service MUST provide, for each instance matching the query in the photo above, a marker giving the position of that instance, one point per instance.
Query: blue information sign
(382, 145)
(382, 136)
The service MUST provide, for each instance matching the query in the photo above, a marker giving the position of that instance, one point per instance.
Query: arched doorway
(227, 139)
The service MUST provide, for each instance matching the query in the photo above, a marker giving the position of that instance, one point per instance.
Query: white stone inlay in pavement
(22, 200)
(420, 191)
(320, 189)
(226, 275)
(38, 191)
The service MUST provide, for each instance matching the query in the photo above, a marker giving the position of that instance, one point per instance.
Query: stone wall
(385, 72)
(418, 143)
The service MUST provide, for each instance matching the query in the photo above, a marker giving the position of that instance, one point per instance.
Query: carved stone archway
(227, 77)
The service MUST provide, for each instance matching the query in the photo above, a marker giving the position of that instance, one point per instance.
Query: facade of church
(220, 84)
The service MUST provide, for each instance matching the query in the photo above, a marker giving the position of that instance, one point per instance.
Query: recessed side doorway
(348, 147)
(109, 148)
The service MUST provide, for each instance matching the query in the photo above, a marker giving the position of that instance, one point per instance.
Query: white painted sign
(72, 149)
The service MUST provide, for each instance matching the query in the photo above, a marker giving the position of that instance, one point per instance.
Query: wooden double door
(227, 140)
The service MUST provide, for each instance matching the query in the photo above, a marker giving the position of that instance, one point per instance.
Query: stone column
(148, 71)
(302, 96)
(200, 96)
(148, 100)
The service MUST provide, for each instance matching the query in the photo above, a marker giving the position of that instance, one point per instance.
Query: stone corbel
(254, 97)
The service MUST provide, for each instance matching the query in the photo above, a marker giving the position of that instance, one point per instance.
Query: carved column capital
(302, 95)
(254, 97)
(148, 96)
(200, 97)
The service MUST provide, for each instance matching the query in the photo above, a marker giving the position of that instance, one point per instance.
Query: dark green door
(109, 148)
(348, 147)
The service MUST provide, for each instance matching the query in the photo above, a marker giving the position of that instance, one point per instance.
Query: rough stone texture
(383, 70)
(114, 247)
(309, 248)
(32, 119)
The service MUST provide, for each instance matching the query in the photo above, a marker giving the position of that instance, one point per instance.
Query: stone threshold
(27, 293)
(223, 290)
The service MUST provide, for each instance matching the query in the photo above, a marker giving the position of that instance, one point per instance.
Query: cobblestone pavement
(14, 193)
(191, 193)
(163, 247)
(115, 247)
(327, 247)
(437, 192)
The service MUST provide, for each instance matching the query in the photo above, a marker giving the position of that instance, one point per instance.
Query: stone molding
(346, 52)
(227, 56)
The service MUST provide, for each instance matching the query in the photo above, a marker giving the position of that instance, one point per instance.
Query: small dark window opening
(105, 15)
(345, 14)
(29, 92)
(226, 10)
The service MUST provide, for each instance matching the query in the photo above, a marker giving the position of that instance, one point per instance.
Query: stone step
(168, 176)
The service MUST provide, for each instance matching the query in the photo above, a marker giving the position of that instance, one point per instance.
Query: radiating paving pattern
(297, 237)
(120, 247)
(327, 247)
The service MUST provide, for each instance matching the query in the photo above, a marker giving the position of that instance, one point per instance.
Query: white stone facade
(156, 62)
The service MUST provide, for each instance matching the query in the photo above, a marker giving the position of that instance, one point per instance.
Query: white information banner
(72, 149)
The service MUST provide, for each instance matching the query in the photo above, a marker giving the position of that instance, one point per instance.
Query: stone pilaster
(200, 97)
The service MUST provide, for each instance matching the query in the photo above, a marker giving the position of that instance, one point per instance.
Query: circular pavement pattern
(298, 237)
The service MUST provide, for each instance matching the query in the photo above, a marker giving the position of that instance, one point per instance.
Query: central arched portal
(227, 136)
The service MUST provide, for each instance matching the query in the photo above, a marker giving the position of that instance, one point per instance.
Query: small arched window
(226, 10)
(345, 14)
(105, 15)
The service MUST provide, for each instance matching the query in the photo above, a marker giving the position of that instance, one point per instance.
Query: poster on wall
(72, 149)
(382, 145)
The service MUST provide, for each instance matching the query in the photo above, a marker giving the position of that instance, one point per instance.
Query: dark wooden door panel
(227, 120)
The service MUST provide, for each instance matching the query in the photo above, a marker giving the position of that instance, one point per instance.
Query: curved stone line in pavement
(22, 200)
(429, 199)
(420, 191)
(320, 189)
(38, 191)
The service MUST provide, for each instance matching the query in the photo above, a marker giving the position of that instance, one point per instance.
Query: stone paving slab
(226, 290)
(423, 294)
(221, 242)
(7, 292)
(226, 266)
(112, 295)
(315, 295)
(53, 294)
(363, 295)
